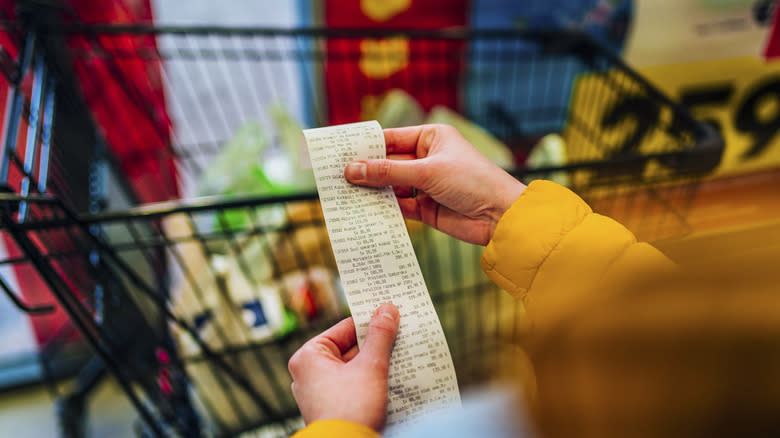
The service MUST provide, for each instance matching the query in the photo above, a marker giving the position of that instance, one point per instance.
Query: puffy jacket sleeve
(551, 251)
(335, 428)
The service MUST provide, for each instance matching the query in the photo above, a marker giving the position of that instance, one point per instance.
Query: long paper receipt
(377, 264)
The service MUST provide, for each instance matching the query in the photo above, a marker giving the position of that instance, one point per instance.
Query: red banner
(124, 92)
(122, 84)
(359, 71)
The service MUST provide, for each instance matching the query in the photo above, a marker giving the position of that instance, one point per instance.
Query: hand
(463, 193)
(332, 380)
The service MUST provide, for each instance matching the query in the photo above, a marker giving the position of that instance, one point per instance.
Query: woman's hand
(462, 193)
(332, 380)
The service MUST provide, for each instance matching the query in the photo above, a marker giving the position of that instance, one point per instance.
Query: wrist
(504, 200)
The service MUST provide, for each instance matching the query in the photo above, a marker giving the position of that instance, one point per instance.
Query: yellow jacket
(625, 343)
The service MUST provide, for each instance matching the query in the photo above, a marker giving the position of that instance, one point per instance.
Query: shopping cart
(167, 293)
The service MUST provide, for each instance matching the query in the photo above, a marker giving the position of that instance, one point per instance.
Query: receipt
(377, 264)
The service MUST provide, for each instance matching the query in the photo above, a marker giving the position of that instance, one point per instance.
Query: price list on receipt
(377, 264)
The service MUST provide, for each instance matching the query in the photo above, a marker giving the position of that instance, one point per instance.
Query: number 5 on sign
(740, 96)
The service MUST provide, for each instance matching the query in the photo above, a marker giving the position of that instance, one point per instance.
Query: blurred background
(154, 188)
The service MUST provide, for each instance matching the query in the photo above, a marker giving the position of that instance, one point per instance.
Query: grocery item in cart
(254, 163)
(283, 278)
(398, 108)
(248, 314)
(283, 166)
(550, 151)
(234, 169)
(241, 296)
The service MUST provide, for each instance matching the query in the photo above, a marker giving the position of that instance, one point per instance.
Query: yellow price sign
(739, 96)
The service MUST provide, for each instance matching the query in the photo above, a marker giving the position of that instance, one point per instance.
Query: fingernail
(356, 171)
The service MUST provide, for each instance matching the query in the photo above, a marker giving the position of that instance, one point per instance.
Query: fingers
(420, 208)
(350, 354)
(402, 140)
(342, 336)
(335, 342)
(381, 335)
(402, 157)
(429, 212)
(462, 227)
(410, 208)
(404, 192)
(380, 173)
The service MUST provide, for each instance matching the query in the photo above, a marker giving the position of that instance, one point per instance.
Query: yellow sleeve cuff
(336, 428)
(527, 233)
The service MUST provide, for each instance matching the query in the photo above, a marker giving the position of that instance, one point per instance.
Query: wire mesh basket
(196, 304)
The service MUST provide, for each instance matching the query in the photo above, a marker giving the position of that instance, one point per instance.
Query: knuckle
(382, 327)
(384, 169)
(295, 362)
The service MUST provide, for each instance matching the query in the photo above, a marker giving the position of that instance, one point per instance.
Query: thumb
(381, 333)
(380, 173)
